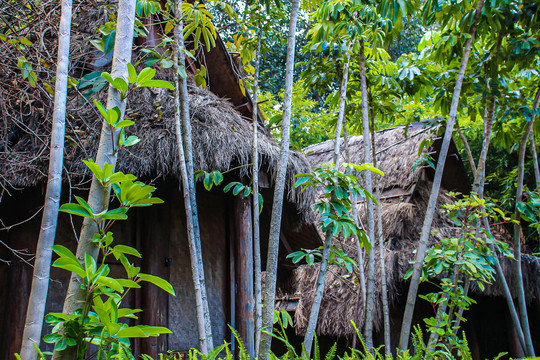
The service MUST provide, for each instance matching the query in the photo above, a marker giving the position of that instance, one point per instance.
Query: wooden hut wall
(159, 233)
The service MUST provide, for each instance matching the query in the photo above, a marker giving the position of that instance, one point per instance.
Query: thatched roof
(404, 201)
(221, 134)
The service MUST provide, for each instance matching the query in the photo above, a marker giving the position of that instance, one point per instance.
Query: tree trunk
(181, 114)
(279, 190)
(319, 290)
(361, 295)
(98, 197)
(42, 265)
(382, 251)
(470, 157)
(498, 268)
(535, 159)
(370, 290)
(507, 293)
(430, 211)
(255, 185)
(517, 234)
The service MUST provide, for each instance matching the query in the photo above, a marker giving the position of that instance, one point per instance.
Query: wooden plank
(155, 245)
(244, 272)
(231, 318)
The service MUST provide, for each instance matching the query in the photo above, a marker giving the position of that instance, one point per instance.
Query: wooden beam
(245, 299)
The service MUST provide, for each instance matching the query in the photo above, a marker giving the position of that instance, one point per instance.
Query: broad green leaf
(131, 140)
(157, 84)
(115, 214)
(68, 266)
(159, 282)
(132, 77)
(128, 283)
(146, 74)
(127, 250)
(109, 282)
(131, 332)
(76, 209)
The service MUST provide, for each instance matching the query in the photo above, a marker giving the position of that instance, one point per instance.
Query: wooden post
(245, 299)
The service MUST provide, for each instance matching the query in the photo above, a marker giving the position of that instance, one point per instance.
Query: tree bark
(319, 290)
(370, 289)
(382, 252)
(279, 190)
(517, 234)
(98, 197)
(432, 202)
(255, 185)
(42, 265)
(181, 116)
(535, 159)
(361, 295)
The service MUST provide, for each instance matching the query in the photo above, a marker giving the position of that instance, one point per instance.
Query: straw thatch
(221, 135)
(403, 208)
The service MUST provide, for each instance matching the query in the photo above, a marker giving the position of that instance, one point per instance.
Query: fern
(331, 353)
(316, 351)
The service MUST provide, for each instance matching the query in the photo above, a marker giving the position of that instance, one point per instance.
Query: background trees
(471, 66)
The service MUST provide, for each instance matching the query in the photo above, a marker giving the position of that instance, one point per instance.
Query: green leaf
(131, 140)
(52, 338)
(155, 330)
(95, 169)
(115, 214)
(110, 282)
(89, 265)
(107, 77)
(146, 74)
(229, 186)
(132, 74)
(131, 332)
(120, 84)
(76, 210)
(67, 265)
(218, 177)
(123, 124)
(147, 202)
(237, 189)
(207, 181)
(157, 84)
(128, 284)
(159, 282)
(127, 250)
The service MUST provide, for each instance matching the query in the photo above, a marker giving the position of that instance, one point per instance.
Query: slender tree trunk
(517, 233)
(188, 153)
(430, 211)
(370, 290)
(279, 190)
(382, 251)
(360, 295)
(319, 290)
(255, 185)
(470, 157)
(42, 265)
(535, 159)
(98, 197)
(507, 293)
(182, 115)
(501, 277)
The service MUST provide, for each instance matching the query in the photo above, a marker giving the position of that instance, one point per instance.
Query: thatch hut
(222, 141)
(405, 190)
